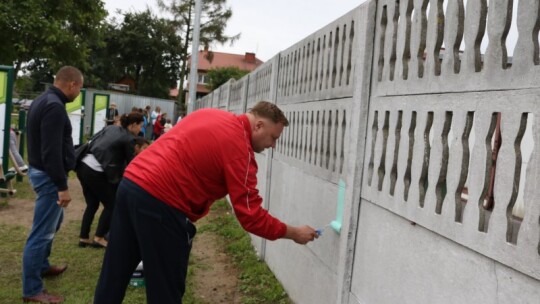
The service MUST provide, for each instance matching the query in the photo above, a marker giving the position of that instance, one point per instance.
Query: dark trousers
(144, 228)
(96, 189)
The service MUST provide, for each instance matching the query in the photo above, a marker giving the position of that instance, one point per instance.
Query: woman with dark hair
(100, 171)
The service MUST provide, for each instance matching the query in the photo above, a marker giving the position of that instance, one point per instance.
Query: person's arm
(301, 234)
(129, 149)
(52, 136)
(247, 203)
(64, 198)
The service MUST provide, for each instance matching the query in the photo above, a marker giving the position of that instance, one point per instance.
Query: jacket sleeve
(129, 149)
(241, 179)
(52, 137)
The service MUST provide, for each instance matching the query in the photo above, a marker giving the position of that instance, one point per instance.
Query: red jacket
(158, 126)
(206, 157)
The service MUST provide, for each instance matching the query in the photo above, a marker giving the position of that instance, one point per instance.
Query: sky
(266, 27)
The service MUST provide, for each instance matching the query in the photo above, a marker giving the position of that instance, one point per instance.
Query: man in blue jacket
(51, 156)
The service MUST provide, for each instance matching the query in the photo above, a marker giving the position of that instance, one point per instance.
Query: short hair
(269, 110)
(141, 141)
(68, 74)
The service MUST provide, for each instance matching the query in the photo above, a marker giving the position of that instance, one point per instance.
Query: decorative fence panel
(238, 95)
(425, 111)
(261, 86)
(322, 65)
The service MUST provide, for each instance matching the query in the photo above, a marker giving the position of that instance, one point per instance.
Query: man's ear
(259, 124)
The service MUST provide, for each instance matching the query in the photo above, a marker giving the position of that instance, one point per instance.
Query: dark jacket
(113, 149)
(50, 146)
(110, 115)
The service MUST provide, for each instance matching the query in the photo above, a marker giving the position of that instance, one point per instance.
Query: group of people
(155, 123)
(208, 155)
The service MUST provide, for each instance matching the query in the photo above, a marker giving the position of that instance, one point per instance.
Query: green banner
(3, 86)
(101, 102)
(6, 91)
(75, 105)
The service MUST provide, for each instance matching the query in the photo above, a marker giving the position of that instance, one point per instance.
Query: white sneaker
(24, 168)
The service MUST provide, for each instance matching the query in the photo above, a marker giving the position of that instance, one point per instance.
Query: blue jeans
(48, 217)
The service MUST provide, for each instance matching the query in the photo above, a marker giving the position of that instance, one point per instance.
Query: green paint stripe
(336, 225)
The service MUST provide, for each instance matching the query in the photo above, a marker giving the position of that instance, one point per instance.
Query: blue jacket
(50, 146)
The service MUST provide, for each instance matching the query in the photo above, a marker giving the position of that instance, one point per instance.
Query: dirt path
(21, 211)
(214, 274)
(216, 279)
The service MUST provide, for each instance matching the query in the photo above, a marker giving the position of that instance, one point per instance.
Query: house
(210, 60)
(126, 84)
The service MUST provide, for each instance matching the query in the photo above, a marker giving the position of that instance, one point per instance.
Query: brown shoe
(53, 271)
(44, 297)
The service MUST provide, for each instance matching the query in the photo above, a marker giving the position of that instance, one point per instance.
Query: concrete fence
(416, 144)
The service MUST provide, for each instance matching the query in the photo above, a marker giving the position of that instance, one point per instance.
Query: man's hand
(301, 234)
(63, 198)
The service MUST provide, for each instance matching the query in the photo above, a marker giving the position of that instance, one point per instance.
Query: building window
(202, 79)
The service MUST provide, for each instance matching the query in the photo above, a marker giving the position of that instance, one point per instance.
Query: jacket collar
(56, 91)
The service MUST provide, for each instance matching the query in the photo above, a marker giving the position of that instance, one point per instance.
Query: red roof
(201, 88)
(211, 59)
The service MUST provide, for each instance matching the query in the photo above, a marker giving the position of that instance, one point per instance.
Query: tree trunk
(183, 68)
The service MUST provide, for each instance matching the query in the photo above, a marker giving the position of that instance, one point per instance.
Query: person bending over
(210, 155)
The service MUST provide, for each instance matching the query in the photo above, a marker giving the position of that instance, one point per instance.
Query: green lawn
(257, 283)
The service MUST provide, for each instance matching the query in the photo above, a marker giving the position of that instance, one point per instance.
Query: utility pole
(193, 79)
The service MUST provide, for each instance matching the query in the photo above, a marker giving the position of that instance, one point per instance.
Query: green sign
(101, 102)
(6, 90)
(3, 86)
(75, 105)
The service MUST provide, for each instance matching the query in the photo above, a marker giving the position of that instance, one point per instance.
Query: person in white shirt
(168, 126)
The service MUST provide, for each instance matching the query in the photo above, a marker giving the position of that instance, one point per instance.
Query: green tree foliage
(24, 87)
(58, 32)
(215, 15)
(143, 47)
(218, 76)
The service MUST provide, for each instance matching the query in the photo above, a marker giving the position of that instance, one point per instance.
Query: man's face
(74, 89)
(265, 134)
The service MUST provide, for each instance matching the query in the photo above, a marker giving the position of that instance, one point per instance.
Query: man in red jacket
(209, 155)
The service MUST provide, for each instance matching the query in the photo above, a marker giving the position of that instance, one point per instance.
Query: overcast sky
(266, 27)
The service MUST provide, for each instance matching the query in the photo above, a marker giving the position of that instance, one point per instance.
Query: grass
(77, 284)
(257, 283)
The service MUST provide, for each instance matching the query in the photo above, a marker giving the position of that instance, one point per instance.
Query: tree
(59, 32)
(218, 76)
(214, 18)
(143, 47)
